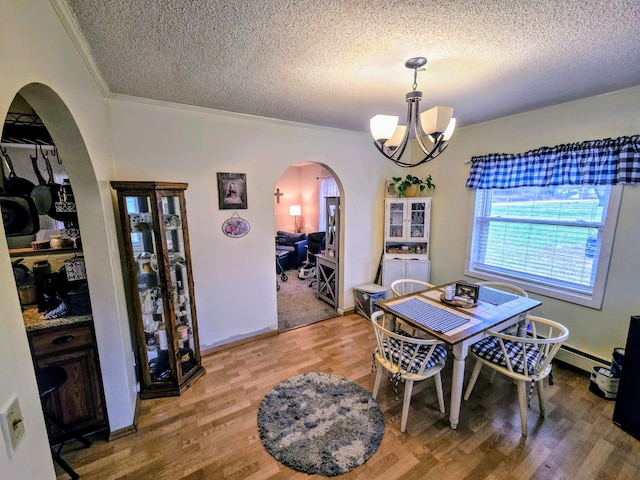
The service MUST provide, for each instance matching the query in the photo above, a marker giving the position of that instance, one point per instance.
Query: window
(328, 188)
(553, 240)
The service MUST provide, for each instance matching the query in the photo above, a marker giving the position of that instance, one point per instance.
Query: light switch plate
(12, 425)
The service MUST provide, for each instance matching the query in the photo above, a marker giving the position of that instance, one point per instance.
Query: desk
(477, 321)
(327, 279)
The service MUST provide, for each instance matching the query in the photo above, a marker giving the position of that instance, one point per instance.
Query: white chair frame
(541, 345)
(394, 361)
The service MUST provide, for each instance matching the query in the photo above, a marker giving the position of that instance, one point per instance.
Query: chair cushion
(489, 349)
(439, 354)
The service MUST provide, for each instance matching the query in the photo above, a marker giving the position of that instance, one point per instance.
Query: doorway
(300, 186)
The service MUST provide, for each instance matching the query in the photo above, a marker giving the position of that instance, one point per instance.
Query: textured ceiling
(339, 62)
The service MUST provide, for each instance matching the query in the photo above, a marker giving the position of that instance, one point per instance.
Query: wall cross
(278, 194)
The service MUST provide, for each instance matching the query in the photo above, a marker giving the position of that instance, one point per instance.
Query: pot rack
(24, 130)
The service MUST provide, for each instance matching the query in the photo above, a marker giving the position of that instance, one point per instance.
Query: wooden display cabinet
(157, 264)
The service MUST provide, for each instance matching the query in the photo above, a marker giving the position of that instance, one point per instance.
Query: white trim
(70, 24)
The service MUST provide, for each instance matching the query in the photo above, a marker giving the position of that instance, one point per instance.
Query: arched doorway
(99, 248)
(302, 187)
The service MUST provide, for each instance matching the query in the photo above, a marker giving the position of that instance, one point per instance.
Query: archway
(300, 186)
(100, 252)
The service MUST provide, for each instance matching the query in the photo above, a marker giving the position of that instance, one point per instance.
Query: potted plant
(409, 185)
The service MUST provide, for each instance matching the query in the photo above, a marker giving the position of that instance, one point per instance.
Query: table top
(425, 310)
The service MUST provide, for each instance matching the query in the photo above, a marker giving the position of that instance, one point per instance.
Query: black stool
(50, 379)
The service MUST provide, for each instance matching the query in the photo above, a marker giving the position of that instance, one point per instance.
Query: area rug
(320, 424)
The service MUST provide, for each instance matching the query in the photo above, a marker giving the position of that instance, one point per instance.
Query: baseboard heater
(580, 359)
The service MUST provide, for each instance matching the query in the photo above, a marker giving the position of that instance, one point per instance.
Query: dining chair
(406, 359)
(524, 359)
(518, 327)
(404, 286)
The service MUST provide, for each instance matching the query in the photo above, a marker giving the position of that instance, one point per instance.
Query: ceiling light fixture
(437, 124)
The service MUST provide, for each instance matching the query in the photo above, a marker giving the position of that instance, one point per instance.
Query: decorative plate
(235, 227)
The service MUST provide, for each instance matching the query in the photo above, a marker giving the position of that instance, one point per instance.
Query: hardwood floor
(210, 431)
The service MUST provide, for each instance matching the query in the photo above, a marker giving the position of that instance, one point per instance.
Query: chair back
(315, 242)
(525, 358)
(403, 355)
(403, 286)
(505, 287)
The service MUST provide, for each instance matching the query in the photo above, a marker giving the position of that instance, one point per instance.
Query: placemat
(495, 297)
(427, 315)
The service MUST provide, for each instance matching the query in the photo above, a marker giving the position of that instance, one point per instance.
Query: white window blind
(553, 239)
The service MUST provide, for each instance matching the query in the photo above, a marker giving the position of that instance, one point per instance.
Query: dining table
(458, 327)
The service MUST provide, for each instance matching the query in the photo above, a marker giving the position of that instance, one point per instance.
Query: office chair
(315, 244)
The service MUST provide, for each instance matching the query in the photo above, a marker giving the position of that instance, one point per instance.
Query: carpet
(298, 304)
(320, 423)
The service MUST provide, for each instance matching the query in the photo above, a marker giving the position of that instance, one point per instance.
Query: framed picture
(467, 291)
(232, 191)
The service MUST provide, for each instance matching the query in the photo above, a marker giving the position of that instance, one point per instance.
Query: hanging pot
(50, 195)
(13, 184)
(42, 194)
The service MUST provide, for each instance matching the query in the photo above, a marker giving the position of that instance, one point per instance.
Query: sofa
(295, 244)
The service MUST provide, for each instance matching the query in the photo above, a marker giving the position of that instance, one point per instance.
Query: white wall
(612, 115)
(233, 278)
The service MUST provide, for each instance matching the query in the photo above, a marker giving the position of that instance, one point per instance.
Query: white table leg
(460, 352)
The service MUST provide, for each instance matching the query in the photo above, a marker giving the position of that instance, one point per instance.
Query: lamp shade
(383, 126)
(436, 120)
(295, 210)
(398, 136)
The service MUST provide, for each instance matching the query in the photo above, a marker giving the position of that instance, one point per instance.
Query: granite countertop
(34, 320)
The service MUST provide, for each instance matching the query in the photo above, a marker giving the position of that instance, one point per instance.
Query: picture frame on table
(467, 291)
(232, 191)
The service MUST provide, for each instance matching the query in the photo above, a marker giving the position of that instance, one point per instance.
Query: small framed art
(232, 191)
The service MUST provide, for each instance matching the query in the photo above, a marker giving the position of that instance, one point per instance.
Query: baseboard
(131, 429)
(580, 359)
(210, 350)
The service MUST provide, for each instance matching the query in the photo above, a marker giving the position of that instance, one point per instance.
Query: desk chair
(315, 244)
(408, 359)
(50, 379)
(524, 359)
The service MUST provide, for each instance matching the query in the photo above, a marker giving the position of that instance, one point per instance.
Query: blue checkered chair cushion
(404, 353)
(489, 349)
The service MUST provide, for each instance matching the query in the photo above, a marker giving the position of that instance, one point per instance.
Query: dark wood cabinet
(161, 299)
(79, 403)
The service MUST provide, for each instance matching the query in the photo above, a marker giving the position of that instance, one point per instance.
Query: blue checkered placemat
(495, 297)
(427, 315)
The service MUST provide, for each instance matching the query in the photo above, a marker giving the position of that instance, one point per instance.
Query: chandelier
(432, 129)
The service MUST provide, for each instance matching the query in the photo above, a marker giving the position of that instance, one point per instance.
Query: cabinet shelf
(30, 252)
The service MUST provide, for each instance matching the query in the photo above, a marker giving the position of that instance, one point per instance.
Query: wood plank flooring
(210, 432)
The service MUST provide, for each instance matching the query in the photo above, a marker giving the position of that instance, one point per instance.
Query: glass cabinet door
(395, 220)
(417, 220)
(172, 218)
(145, 248)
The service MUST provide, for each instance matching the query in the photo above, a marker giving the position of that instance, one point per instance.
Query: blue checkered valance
(595, 162)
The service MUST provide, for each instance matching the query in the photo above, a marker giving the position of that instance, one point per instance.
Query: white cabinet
(395, 268)
(406, 240)
(407, 220)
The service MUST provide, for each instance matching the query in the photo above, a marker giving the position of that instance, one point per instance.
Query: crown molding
(71, 26)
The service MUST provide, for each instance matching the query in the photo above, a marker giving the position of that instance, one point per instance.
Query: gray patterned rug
(320, 423)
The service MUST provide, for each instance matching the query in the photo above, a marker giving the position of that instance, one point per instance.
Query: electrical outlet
(12, 425)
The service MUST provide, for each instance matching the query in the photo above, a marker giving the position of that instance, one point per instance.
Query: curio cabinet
(161, 301)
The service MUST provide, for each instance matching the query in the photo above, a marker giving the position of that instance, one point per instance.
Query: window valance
(594, 162)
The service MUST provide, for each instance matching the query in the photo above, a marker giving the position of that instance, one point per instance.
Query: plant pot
(411, 191)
